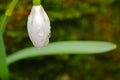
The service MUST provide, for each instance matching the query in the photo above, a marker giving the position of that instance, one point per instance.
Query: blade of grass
(62, 48)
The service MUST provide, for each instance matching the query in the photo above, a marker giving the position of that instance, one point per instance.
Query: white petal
(38, 26)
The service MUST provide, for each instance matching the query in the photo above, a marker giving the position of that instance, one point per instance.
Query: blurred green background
(70, 20)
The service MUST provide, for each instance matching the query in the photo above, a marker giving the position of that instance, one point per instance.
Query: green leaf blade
(62, 48)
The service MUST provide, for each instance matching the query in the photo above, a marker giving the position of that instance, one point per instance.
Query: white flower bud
(38, 26)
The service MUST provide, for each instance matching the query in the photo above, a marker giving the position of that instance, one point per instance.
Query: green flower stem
(11, 8)
(3, 24)
(36, 2)
(4, 71)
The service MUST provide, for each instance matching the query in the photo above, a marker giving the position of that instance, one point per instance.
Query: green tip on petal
(36, 2)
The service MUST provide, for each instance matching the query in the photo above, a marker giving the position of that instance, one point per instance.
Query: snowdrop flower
(38, 26)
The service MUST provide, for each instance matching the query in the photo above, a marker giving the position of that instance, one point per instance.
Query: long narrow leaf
(65, 47)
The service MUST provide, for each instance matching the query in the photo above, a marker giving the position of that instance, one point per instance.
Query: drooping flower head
(38, 26)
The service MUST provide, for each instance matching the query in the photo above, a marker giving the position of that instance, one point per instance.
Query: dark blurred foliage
(70, 20)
